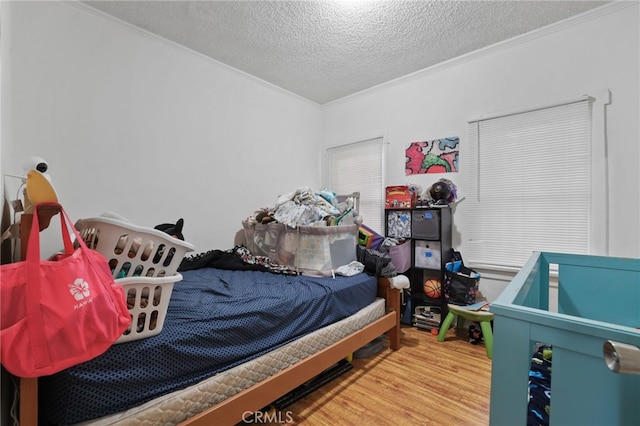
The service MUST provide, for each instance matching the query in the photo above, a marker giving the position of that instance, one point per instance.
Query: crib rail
(598, 300)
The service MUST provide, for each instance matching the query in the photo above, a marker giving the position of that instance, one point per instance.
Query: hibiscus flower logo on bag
(80, 290)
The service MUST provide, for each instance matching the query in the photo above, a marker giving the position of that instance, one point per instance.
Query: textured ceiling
(325, 50)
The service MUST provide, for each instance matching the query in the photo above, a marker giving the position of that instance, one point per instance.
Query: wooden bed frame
(231, 411)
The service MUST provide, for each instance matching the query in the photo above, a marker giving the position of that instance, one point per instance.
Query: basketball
(432, 288)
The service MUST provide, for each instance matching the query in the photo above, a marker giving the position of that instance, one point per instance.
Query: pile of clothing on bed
(304, 206)
(238, 258)
(299, 208)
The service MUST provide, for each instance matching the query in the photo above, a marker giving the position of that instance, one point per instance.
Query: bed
(598, 307)
(314, 323)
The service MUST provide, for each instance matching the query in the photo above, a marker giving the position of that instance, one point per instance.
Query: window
(359, 167)
(532, 184)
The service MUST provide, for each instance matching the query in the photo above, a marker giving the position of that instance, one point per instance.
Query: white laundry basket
(133, 251)
(147, 300)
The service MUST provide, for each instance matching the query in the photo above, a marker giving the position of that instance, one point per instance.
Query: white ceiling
(325, 50)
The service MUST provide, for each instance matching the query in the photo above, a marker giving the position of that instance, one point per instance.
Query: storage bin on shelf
(400, 255)
(133, 251)
(427, 254)
(399, 223)
(147, 300)
(313, 250)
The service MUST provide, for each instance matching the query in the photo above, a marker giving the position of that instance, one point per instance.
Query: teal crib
(598, 300)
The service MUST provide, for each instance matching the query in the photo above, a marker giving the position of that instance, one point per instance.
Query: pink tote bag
(56, 314)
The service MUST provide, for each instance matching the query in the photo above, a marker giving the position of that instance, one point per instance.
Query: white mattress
(178, 406)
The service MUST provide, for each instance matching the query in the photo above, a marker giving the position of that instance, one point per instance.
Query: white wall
(137, 125)
(598, 51)
(134, 124)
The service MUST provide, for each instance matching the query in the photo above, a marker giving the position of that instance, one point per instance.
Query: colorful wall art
(435, 156)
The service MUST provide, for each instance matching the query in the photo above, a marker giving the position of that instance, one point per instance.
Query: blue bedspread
(216, 320)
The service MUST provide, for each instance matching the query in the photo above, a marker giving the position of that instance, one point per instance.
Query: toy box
(399, 197)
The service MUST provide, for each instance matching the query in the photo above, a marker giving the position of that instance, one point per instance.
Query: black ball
(439, 191)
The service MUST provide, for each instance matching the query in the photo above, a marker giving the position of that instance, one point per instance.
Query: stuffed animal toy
(173, 229)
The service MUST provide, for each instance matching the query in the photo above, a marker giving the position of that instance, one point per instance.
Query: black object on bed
(216, 319)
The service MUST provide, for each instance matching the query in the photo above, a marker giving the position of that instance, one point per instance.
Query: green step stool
(484, 318)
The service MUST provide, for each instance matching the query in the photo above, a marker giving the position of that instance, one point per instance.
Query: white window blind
(530, 184)
(359, 167)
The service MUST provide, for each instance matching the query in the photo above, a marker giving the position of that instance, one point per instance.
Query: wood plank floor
(423, 383)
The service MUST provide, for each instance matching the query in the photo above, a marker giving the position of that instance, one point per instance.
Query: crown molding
(90, 11)
(498, 47)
